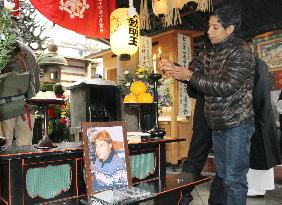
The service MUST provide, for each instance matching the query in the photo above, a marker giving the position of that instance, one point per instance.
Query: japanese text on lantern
(133, 30)
(100, 16)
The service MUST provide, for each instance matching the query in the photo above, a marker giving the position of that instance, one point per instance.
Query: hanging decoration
(169, 10)
(203, 5)
(184, 57)
(144, 16)
(125, 31)
(145, 52)
(87, 17)
(159, 7)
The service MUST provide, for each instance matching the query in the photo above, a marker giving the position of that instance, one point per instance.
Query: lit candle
(159, 53)
(155, 63)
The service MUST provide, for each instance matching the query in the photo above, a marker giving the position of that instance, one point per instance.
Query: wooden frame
(92, 158)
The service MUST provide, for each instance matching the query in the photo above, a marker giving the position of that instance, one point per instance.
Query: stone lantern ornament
(50, 64)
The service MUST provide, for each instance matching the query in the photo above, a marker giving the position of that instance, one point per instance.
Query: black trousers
(200, 146)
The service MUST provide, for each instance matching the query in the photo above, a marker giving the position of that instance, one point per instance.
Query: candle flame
(159, 52)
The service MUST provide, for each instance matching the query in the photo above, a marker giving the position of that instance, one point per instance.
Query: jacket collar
(225, 42)
(109, 159)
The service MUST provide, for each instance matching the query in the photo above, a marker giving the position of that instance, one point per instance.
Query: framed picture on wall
(270, 51)
(106, 156)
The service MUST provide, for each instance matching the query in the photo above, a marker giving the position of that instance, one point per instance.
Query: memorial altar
(34, 176)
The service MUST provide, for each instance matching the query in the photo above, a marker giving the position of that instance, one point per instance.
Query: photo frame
(106, 156)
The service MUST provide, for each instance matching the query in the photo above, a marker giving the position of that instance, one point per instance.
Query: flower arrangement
(142, 74)
(59, 121)
(60, 113)
(58, 116)
(7, 37)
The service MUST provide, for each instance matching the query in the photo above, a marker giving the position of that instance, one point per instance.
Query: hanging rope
(145, 23)
(204, 5)
(171, 9)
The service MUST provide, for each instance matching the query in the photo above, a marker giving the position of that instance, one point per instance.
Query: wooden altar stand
(32, 176)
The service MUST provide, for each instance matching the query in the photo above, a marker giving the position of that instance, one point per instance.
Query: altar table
(166, 191)
(32, 176)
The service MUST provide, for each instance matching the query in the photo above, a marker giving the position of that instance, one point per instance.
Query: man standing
(225, 75)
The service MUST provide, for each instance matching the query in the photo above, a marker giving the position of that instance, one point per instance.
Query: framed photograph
(105, 155)
(270, 51)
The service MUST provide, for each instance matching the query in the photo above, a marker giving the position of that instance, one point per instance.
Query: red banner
(16, 8)
(88, 17)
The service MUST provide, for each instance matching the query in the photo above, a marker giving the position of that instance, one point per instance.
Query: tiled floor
(201, 193)
(273, 197)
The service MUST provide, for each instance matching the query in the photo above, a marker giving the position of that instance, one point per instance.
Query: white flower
(126, 72)
(8, 5)
(127, 84)
(2, 37)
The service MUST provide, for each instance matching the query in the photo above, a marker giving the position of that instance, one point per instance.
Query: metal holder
(46, 142)
(156, 131)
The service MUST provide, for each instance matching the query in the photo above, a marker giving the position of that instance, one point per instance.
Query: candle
(155, 63)
(159, 53)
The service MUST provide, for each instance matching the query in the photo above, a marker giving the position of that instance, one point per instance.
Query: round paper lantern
(124, 32)
(160, 7)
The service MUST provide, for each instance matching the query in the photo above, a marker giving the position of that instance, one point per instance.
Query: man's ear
(230, 29)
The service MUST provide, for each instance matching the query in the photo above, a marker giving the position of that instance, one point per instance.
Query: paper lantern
(124, 32)
(160, 7)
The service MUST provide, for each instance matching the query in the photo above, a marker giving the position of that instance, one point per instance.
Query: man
(201, 143)
(108, 168)
(225, 75)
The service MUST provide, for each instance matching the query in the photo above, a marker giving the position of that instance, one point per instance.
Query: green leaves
(7, 38)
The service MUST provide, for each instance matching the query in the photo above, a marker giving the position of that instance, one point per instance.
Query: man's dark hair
(227, 16)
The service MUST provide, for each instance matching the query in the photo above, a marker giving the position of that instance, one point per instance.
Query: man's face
(103, 149)
(217, 33)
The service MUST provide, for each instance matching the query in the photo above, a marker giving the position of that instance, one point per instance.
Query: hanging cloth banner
(184, 57)
(145, 52)
(87, 17)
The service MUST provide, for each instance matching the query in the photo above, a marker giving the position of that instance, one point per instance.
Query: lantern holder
(156, 131)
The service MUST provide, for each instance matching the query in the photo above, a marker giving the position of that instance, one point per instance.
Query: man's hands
(176, 72)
